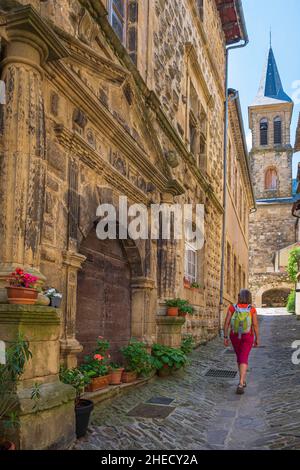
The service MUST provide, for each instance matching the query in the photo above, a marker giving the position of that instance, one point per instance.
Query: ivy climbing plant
(292, 268)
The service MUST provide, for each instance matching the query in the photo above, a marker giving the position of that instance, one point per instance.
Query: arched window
(271, 179)
(264, 132)
(277, 130)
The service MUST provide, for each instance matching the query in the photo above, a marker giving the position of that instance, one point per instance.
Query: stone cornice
(85, 56)
(87, 155)
(104, 120)
(25, 24)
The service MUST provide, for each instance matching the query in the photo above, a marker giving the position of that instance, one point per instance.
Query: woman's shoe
(240, 389)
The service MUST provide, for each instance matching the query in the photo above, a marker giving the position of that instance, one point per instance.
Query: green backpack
(241, 320)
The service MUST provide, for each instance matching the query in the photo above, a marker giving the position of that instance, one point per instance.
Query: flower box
(129, 377)
(21, 295)
(98, 383)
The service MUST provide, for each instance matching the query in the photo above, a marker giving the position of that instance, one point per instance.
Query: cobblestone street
(208, 414)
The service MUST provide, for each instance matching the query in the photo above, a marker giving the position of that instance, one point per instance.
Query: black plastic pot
(55, 302)
(83, 411)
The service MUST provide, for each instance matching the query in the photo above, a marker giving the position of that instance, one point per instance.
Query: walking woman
(244, 333)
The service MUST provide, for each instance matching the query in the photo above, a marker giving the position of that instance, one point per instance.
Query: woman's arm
(226, 327)
(256, 329)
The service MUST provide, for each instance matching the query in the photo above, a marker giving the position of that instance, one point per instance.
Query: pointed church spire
(271, 90)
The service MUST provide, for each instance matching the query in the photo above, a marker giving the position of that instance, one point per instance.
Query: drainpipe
(228, 49)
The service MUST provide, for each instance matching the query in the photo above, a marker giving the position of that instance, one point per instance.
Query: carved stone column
(30, 43)
(143, 308)
(70, 347)
(166, 259)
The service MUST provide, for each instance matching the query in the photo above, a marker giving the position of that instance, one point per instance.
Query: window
(264, 132)
(229, 164)
(271, 179)
(277, 131)
(228, 269)
(200, 8)
(193, 133)
(190, 268)
(235, 280)
(118, 18)
(197, 128)
(240, 277)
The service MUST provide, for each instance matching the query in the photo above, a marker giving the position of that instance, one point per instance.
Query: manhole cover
(151, 411)
(222, 373)
(160, 400)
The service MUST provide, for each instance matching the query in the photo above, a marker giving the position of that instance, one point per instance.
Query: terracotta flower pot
(165, 371)
(172, 312)
(128, 377)
(7, 445)
(21, 295)
(98, 383)
(182, 314)
(116, 376)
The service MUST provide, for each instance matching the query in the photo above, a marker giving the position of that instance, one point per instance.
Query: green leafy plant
(293, 260)
(291, 302)
(137, 358)
(115, 366)
(96, 364)
(75, 377)
(195, 285)
(187, 344)
(173, 302)
(16, 357)
(166, 356)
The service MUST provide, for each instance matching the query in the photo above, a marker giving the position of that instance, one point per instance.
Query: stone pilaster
(70, 347)
(30, 43)
(143, 306)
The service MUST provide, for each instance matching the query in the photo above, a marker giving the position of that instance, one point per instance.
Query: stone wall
(271, 228)
(95, 127)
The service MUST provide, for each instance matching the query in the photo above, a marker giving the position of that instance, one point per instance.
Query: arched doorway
(275, 297)
(103, 295)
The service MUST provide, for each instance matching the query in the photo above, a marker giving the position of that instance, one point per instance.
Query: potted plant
(186, 283)
(184, 308)
(22, 288)
(167, 359)
(16, 357)
(173, 307)
(195, 285)
(96, 367)
(116, 372)
(83, 408)
(138, 361)
(54, 296)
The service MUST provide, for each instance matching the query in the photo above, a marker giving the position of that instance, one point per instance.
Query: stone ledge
(165, 320)
(52, 395)
(11, 313)
(116, 390)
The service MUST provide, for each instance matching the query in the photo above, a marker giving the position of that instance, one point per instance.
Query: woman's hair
(245, 297)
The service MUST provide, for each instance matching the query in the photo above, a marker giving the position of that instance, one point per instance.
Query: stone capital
(142, 283)
(25, 26)
(73, 259)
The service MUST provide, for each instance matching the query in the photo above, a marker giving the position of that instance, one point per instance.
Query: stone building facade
(240, 203)
(272, 228)
(103, 99)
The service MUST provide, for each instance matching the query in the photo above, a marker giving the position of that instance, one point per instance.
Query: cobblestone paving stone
(208, 414)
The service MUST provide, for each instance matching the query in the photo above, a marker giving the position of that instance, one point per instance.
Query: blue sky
(246, 65)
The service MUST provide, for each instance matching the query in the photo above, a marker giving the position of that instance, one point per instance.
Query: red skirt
(242, 346)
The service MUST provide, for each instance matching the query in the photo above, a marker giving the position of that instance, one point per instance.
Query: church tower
(271, 226)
